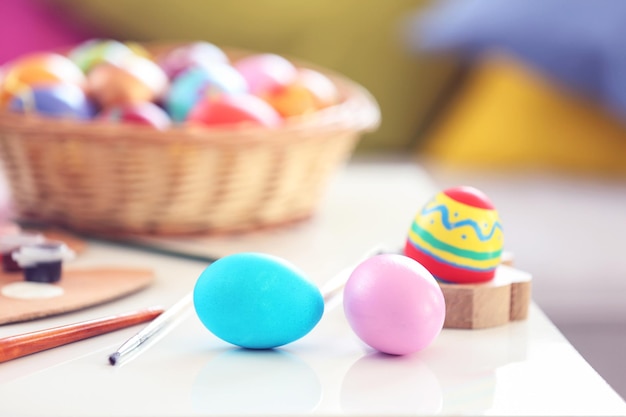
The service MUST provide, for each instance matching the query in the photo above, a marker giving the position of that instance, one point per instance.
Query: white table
(524, 368)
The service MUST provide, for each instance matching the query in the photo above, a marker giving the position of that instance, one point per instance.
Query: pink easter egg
(196, 54)
(394, 304)
(266, 73)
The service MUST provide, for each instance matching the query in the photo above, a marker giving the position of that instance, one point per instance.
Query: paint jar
(12, 242)
(42, 262)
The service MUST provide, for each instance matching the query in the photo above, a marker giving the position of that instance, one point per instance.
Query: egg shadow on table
(246, 381)
(378, 384)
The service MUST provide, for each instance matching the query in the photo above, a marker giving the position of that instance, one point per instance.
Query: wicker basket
(102, 178)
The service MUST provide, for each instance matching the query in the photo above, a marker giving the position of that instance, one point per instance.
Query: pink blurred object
(9, 228)
(394, 304)
(146, 114)
(196, 54)
(31, 25)
(6, 226)
(266, 73)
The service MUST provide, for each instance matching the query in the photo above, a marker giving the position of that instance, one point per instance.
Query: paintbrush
(157, 327)
(13, 347)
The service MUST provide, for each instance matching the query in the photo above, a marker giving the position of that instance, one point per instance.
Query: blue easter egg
(196, 83)
(54, 100)
(256, 301)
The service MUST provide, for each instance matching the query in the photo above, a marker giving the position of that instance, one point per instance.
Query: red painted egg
(233, 109)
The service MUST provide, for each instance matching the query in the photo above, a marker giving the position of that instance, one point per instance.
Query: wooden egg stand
(504, 299)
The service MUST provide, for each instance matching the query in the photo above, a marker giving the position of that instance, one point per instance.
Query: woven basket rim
(358, 111)
(101, 178)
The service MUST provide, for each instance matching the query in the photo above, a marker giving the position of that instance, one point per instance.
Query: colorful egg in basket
(235, 161)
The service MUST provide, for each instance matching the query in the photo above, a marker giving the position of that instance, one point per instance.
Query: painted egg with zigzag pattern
(457, 236)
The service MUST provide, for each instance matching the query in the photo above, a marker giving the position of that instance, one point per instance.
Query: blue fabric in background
(577, 43)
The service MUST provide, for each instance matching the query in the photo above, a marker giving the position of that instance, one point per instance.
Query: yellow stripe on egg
(461, 236)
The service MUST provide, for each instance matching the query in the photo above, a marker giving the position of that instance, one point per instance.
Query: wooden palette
(504, 299)
(82, 288)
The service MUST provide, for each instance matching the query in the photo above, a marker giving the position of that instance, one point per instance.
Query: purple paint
(42, 262)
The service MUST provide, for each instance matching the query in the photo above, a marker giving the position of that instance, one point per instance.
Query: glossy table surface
(523, 368)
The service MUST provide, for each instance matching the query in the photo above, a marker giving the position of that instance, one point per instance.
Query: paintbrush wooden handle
(13, 347)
